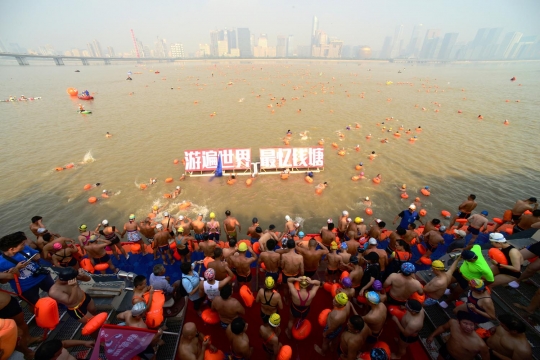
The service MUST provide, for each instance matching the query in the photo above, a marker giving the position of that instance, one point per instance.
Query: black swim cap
(66, 274)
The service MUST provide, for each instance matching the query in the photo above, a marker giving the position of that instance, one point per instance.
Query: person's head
(242, 248)
(226, 291)
(271, 244)
(331, 226)
(412, 207)
(290, 244)
(13, 242)
(140, 281)
(401, 231)
(512, 324)
(304, 283)
(227, 212)
(238, 326)
(532, 200)
(159, 227)
(459, 234)
(50, 350)
(437, 266)
(469, 255)
(372, 257)
(536, 213)
(212, 215)
(341, 300)
(210, 274)
(477, 285)
(333, 245)
(377, 285)
(373, 298)
(254, 220)
(497, 240)
(466, 322)
(355, 323)
(47, 237)
(269, 282)
(138, 309)
(274, 320)
(218, 253)
(83, 228)
(407, 269)
(435, 222)
(132, 218)
(185, 267)
(484, 213)
(381, 224)
(271, 227)
(205, 236)
(402, 245)
(66, 273)
(472, 197)
(346, 282)
(258, 230)
(413, 306)
(189, 331)
(232, 242)
(35, 219)
(158, 270)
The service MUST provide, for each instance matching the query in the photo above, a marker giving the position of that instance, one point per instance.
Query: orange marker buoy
(369, 211)
(92, 199)
(143, 186)
(94, 324)
(72, 91)
(423, 212)
(169, 180)
(87, 187)
(101, 267)
(176, 161)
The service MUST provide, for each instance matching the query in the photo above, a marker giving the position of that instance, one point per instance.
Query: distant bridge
(22, 59)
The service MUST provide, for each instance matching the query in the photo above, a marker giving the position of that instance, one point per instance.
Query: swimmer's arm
(123, 232)
(514, 260)
(438, 331)
(253, 253)
(72, 343)
(97, 228)
(451, 270)
(398, 323)
(121, 316)
(239, 226)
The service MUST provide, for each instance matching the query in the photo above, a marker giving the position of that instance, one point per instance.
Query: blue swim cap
(485, 213)
(301, 234)
(408, 268)
(426, 187)
(347, 282)
(344, 246)
(378, 354)
(373, 297)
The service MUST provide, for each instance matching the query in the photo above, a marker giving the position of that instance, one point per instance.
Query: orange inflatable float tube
(285, 353)
(247, 296)
(498, 256)
(94, 324)
(301, 330)
(47, 316)
(154, 315)
(8, 334)
(323, 316)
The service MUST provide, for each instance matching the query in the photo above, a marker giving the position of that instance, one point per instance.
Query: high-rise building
(161, 49)
(177, 50)
(68, 53)
(386, 48)
(110, 51)
(413, 49)
(263, 40)
(244, 42)
(97, 48)
(76, 52)
(431, 41)
(510, 40)
(447, 45)
(492, 42)
(85, 53)
(204, 51)
(91, 49)
(314, 29)
(231, 38)
(281, 47)
(290, 43)
(214, 38)
(223, 48)
(396, 44)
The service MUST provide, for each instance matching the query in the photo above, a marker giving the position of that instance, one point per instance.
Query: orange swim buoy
(169, 180)
(355, 178)
(423, 212)
(421, 249)
(58, 168)
(425, 192)
(344, 275)
(143, 186)
(151, 215)
(397, 135)
(498, 221)
(445, 213)
(87, 187)
(249, 182)
(321, 142)
(154, 315)
(92, 199)
(334, 145)
(207, 260)
(318, 191)
(308, 179)
(247, 296)
(461, 221)
(285, 353)
(8, 334)
(135, 248)
(418, 297)
(323, 316)
(185, 205)
(384, 346)
(47, 316)
(94, 324)
(425, 260)
(302, 329)
(377, 180)
(210, 316)
(257, 248)
(86, 264)
(167, 196)
(69, 166)
(498, 256)
(396, 311)
(368, 137)
(284, 176)
(176, 161)
(358, 167)
(369, 211)
(218, 355)
(101, 267)
(335, 288)
(404, 196)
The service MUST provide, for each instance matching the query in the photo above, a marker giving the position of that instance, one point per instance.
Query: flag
(122, 342)
(219, 168)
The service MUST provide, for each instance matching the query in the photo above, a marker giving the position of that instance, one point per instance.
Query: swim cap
(378, 354)
(347, 282)
(477, 285)
(408, 268)
(254, 220)
(372, 241)
(181, 217)
(104, 191)
(159, 226)
(269, 282)
(165, 214)
(132, 217)
(178, 188)
(180, 229)
(497, 237)
(377, 285)
(242, 247)
(344, 246)
(57, 246)
(345, 213)
(212, 215)
(437, 265)
(413, 305)
(210, 274)
(333, 245)
(361, 164)
(82, 227)
(92, 238)
(416, 199)
(303, 282)
(301, 234)
(155, 207)
(41, 230)
(67, 273)
(287, 218)
(105, 222)
(138, 309)
(442, 229)
(373, 297)
(274, 320)
(329, 221)
(404, 186)
(367, 198)
(358, 220)
(354, 259)
(342, 299)
(484, 212)
(426, 187)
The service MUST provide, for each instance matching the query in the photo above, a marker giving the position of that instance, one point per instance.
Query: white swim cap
(159, 226)
(287, 218)
(104, 191)
(181, 217)
(178, 188)
(165, 214)
(345, 213)
(367, 198)
(105, 222)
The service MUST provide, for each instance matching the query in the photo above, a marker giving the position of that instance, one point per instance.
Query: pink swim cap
(57, 246)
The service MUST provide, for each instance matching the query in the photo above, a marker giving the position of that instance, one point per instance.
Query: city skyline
(326, 30)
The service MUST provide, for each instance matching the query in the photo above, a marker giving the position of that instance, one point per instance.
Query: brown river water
(455, 154)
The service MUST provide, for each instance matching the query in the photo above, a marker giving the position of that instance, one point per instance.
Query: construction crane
(135, 44)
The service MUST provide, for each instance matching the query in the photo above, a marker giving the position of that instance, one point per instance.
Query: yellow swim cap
(274, 320)
(242, 247)
(132, 217)
(333, 245)
(155, 207)
(342, 299)
(303, 282)
(82, 227)
(437, 265)
(358, 220)
(269, 282)
(212, 215)
(180, 229)
(403, 186)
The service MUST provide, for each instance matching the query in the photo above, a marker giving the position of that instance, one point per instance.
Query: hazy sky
(71, 24)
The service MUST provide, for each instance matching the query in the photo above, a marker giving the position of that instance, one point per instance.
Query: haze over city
(345, 29)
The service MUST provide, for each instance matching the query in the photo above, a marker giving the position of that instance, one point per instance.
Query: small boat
(157, 72)
(84, 112)
(77, 70)
(85, 97)
(129, 78)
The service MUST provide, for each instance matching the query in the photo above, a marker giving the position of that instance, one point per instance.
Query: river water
(456, 154)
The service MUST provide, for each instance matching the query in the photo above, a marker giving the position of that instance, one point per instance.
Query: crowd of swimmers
(371, 287)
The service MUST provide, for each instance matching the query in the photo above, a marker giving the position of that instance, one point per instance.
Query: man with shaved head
(192, 343)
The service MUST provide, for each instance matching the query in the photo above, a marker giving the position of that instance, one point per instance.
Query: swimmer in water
(176, 192)
(183, 177)
(348, 127)
(153, 181)
(403, 188)
(367, 201)
(361, 176)
(372, 155)
(289, 132)
(322, 186)
(357, 147)
(81, 108)
(310, 174)
(105, 194)
(107, 135)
